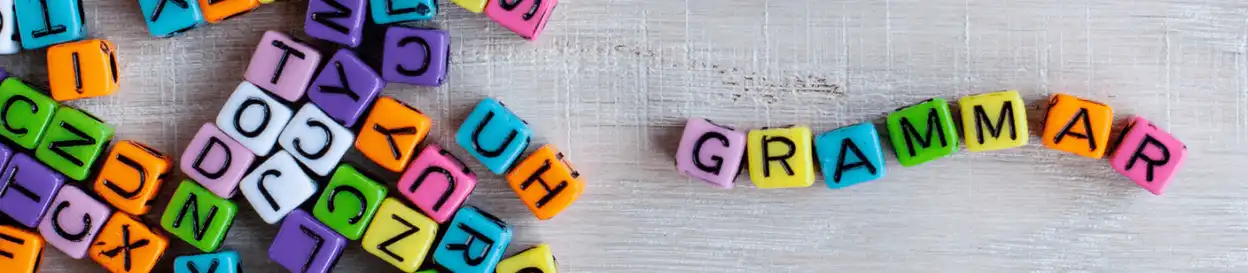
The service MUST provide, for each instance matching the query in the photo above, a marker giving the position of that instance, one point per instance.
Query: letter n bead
(994, 121)
(922, 132)
(473, 243)
(73, 142)
(27, 189)
(400, 235)
(1148, 155)
(494, 135)
(219, 262)
(710, 152)
(305, 245)
(198, 217)
(345, 88)
(526, 18)
(277, 187)
(83, 69)
(850, 155)
(167, 18)
(546, 182)
(391, 133)
(349, 202)
(416, 56)
(282, 65)
(1077, 126)
(437, 182)
(781, 157)
(131, 177)
(74, 221)
(216, 161)
(24, 113)
(537, 259)
(42, 23)
(338, 21)
(20, 250)
(127, 245)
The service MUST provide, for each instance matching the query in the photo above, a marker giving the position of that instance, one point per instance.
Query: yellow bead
(781, 157)
(475, 6)
(538, 257)
(400, 235)
(994, 121)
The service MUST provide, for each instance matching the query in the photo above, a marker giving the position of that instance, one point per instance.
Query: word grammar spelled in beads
(785, 157)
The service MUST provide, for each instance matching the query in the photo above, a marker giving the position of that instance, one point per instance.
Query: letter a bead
(282, 65)
(216, 161)
(535, 259)
(73, 142)
(74, 221)
(27, 189)
(1077, 126)
(166, 18)
(42, 23)
(83, 69)
(132, 176)
(219, 262)
(198, 217)
(1148, 155)
(349, 202)
(438, 183)
(850, 155)
(473, 243)
(922, 132)
(781, 157)
(526, 18)
(24, 250)
(416, 56)
(127, 245)
(305, 245)
(994, 121)
(339, 21)
(494, 135)
(399, 235)
(24, 113)
(391, 132)
(710, 152)
(546, 182)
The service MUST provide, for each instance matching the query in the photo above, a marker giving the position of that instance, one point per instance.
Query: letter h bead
(1148, 155)
(546, 182)
(710, 152)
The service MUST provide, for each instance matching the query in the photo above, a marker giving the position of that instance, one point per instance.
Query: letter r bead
(710, 152)
(1148, 155)
(546, 182)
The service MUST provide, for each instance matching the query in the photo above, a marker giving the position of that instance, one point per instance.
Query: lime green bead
(24, 113)
(198, 217)
(349, 202)
(73, 142)
(923, 132)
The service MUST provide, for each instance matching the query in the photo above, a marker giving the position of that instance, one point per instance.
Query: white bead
(277, 187)
(8, 27)
(316, 140)
(253, 118)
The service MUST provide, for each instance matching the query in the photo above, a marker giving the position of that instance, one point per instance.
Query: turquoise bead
(474, 242)
(219, 262)
(43, 23)
(395, 11)
(169, 17)
(494, 135)
(850, 155)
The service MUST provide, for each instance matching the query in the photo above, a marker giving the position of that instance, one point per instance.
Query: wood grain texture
(612, 82)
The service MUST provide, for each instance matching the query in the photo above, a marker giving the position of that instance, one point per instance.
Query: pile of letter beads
(342, 21)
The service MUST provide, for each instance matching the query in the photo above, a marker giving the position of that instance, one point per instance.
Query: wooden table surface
(612, 82)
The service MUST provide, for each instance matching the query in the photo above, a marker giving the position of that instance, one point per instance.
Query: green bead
(198, 217)
(354, 199)
(73, 142)
(922, 132)
(24, 113)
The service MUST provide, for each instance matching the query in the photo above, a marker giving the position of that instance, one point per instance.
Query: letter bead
(83, 69)
(473, 243)
(546, 182)
(127, 245)
(216, 161)
(526, 18)
(396, 11)
(219, 262)
(345, 87)
(282, 65)
(316, 140)
(253, 118)
(42, 23)
(24, 113)
(74, 221)
(475, 6)
(198, 217)
(8, 32)
(537, 259)
(494, 135)
(1148, 155)
(131, 177)
(73, 143)
(338, 21)
(850, 155)
(391, 132)
(166, 18)
(922, 132)
(994, 121)
(20, 250)
(416, 56)
(781, 157)
(400, 236)
(438, 183)
(277, 187)
(28, 189)
(349, 202)
(1077, 126)
(710, 152)
(305, 245)
(216, 11)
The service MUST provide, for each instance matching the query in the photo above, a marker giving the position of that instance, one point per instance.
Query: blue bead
(494, 135)
(43, 23)
(854, 151)
(225, 262)
(171, 18)
(472, 235)
(394, 11)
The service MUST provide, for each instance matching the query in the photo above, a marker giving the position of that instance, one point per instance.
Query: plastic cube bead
(277, 187)
(219, 262)
(83, 69)
(546, 182)
(850, 155)
(74, 221)
(781, 157)
(24, 113)
(416, 56)
(438, 183)
(42, 23)
(338, 21)
(475, 6)
(391, 132)
(73, 142)
(216, 161)
(316, 140)
(535, 259)
(27, 189)
(131, 177)
(1077, 126)
(397, 11)
(216, 11)
(20, 250)
(305, 245)
(345, 87)
(994, 121)
(198, 217)
(400, 236)
(127, 245)
(526, 18)
(167, 18)
(1148, 155)
(253, 118)
(922, 132)
(494, 135)
(710, 152)
(282, 65)
(473, 243)
(349, 202)
(3, 74)
(9, 43)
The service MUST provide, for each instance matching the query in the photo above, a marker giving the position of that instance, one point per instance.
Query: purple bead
(339, 21)
(416, 56)
(27, 188)
(3, 74)
(305, 245)
(345, 87)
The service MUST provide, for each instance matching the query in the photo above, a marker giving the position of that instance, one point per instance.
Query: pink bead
(526, 18)
(437, 182)
(73, 221)
(216, 161)
(710, 152)
(1148, 155)
(282, 65)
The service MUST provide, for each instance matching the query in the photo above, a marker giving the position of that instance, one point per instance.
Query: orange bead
(82, 69)
(131, 176)
(546, 182)
(127, 245)
(20, 250)
(1077, 126)
(216, 11)
(391, 133)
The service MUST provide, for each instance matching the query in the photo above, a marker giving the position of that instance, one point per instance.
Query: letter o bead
(710, 152)
(1148, 155)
